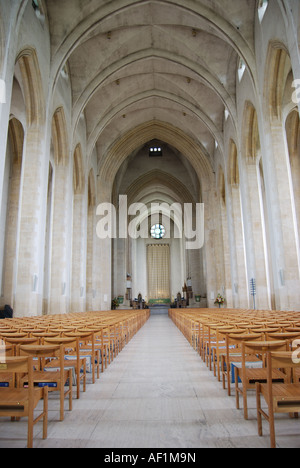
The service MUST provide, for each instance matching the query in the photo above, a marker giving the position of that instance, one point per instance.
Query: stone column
(32, 215)
(225, 254)
(282, 222)
(91, 258)
(213, 248)
(254, 237)
(60, 251)
(11, 231)
(79, 243)
(240, 284)
(103, 258)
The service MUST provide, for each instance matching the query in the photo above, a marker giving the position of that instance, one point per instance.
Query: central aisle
(156, 394)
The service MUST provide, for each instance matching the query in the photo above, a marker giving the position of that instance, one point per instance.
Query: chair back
(18, 365)
(68, 344)
(287, 361)
(13, 364)
(283, 359)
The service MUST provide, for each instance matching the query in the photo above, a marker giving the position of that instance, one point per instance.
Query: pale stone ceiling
(133, 62)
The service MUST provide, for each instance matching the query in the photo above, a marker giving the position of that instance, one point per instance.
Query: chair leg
(45, 416)
(272, 429)
(245, 402)
(94, 368)
(62, 401)
(78, 381)
(237, 396)
(223, 373)
(258, 406)
(70, 390)
(98, 363)
(30, 431)
(84, 376)
(218, 369)
(102, 360)
(228, 379)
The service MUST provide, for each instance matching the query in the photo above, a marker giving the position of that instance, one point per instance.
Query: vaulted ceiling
(137, 61)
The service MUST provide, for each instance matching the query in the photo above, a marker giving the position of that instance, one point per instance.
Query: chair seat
(260, 375)
(255, 363)
(284, 395)
(6, 380)
(68, 362)
(42, 378)
(17, 398)
(238, 358)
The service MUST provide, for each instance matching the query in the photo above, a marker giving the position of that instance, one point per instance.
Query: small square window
(155, 151)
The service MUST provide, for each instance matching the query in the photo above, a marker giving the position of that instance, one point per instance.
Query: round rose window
(157, 231)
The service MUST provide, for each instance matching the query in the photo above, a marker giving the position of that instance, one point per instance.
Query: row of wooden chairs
(254, 350)
(39, 355)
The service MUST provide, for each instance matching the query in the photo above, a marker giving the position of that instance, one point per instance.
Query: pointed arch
(251, 133)
(32, 87)
(91, 189)
(16, 135)
(278, 69)
(78, 179)
(60, 137)
(222, 186)
(292, 130)
(163, 132)
(157, 178)
(292, 127)
(234, 174)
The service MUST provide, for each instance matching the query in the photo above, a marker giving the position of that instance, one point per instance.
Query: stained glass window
(157, 231)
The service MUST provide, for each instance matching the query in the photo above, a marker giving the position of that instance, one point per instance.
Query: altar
(159, 302)
(159, 309)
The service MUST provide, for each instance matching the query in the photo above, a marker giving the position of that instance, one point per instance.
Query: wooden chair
(6, 379)
(288, 337)
(203, 338)
(233, 354)
(208, 339)
(21, 402)
(126, 331)
(108, 339)
(13, 334)
(43, 335)
(15, 342)
(113, 340)
(249, 376)
(292, 329)
(280, 397)
(123, 327)
(87, 348)
(218, 348)
(102, 343)
(265, 330)
(56, 381)
(72, 358)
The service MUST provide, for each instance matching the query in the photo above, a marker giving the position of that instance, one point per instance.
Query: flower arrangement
(219, 300)
(115, 303)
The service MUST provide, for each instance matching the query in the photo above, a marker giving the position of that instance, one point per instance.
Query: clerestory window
(262, 7)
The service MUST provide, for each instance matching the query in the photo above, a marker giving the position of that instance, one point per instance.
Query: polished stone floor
(156, 394)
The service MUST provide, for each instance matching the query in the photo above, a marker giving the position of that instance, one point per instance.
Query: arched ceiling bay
(141, 174)
(135, 62)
